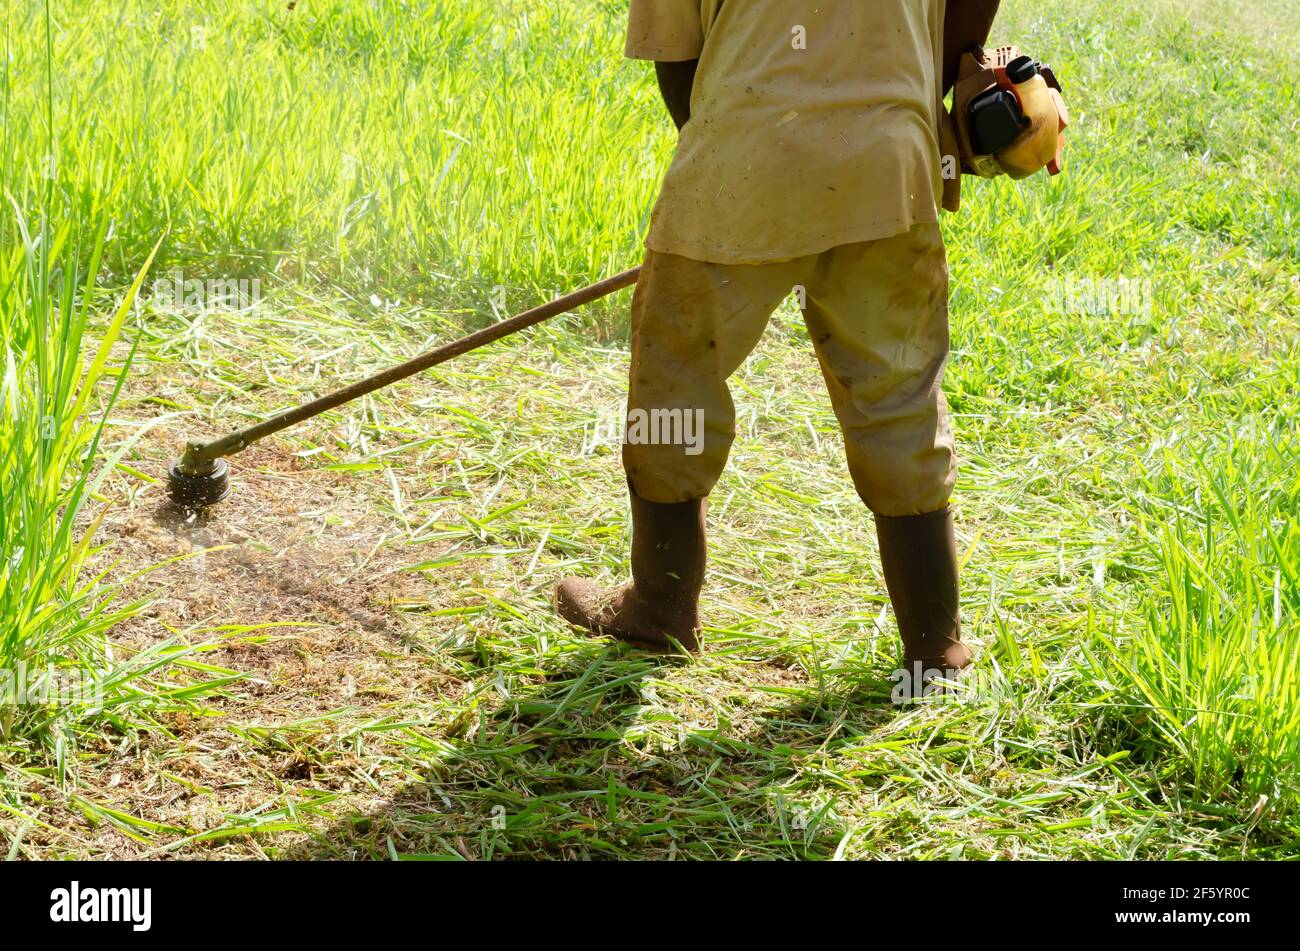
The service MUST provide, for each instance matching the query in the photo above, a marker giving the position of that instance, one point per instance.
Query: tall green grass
(1214, 670)
(55, 394)
(57, 385)
(353, 141)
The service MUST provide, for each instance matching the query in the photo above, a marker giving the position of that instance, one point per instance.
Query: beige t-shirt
(814, 123)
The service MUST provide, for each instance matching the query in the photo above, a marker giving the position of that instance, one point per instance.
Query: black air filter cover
(995, 121)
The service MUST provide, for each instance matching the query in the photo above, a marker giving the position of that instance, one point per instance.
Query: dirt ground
(325, 609)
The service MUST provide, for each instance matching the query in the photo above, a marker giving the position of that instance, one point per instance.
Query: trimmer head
(193, 490)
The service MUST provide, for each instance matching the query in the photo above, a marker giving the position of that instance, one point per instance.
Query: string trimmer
(201, 476)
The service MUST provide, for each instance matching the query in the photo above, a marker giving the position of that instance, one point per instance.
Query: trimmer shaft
(201, 477)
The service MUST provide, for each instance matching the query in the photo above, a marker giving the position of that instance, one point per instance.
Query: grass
(48, 618)
(59, 674)
(1216, 664)
(381, 577)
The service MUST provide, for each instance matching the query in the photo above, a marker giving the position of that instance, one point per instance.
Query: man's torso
(813, 124)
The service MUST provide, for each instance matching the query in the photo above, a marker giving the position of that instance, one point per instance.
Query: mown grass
(1126, 504)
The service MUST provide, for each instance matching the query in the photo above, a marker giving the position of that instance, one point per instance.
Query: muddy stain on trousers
(877, 312)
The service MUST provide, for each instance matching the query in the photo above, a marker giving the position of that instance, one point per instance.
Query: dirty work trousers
(877, 313)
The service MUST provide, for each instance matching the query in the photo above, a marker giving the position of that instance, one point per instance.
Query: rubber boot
(659, 610)
(919, 556)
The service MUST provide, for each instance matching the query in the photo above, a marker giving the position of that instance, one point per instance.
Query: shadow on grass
(592, 766)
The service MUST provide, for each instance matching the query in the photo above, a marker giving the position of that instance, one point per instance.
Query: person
(811, 157)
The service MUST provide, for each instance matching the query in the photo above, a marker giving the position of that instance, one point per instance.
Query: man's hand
(675, 83)
(966, 23)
